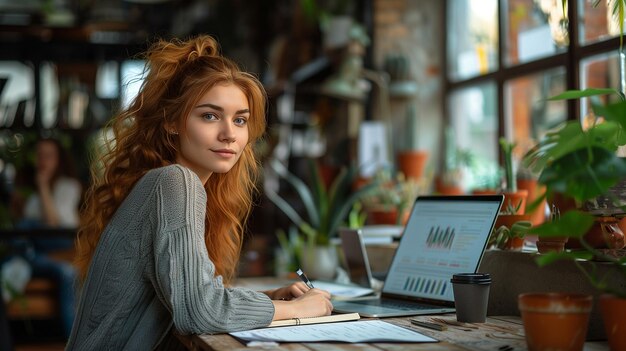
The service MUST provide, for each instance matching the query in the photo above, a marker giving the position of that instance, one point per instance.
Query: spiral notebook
(315, 320)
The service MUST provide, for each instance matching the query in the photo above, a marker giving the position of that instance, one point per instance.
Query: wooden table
(495, 334)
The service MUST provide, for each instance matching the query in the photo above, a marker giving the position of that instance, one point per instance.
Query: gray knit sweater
(151, 272)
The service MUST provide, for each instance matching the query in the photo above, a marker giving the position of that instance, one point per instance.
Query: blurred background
(365, 84)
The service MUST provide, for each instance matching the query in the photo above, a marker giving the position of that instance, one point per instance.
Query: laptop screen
(445, 235)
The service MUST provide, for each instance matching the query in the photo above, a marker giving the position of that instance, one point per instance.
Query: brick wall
(412, 28)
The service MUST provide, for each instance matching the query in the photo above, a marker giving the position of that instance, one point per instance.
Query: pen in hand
(303, 277)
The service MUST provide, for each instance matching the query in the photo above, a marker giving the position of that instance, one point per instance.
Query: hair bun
(203, 45)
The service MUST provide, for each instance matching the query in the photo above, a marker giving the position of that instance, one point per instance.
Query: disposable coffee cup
(471, 296)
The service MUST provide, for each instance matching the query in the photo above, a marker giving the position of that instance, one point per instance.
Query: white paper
(352, 332)
(342, 290)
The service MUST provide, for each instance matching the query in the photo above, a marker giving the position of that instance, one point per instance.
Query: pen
(303, 277)
(435, 326)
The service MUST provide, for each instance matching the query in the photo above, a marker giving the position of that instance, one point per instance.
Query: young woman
(163, 224)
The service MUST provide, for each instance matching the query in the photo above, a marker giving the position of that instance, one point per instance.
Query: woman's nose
(227, 133)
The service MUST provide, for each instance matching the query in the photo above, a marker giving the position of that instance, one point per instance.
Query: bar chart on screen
(432, 286)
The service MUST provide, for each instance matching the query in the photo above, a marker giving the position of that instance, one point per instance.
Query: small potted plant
(513, 197)
(509, 236)
(391, 201)
(326, 208)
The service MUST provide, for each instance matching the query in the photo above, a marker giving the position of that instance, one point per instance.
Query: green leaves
(326, 208)
(573, 224)
(584, 173)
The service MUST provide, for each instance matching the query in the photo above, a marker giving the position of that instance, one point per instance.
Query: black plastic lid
(471, 278)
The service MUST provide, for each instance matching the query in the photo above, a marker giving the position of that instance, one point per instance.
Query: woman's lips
(226, 153)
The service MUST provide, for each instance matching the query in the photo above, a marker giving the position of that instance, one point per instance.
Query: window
(472, 38)
(524, 51)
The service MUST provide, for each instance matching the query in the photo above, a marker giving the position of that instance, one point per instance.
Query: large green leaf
(584, 174)
(612, 112)
(555, 144)
(303, 191)
(573, 224)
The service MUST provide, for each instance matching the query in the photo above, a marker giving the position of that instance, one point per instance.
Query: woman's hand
(313, 303)
(288, 292)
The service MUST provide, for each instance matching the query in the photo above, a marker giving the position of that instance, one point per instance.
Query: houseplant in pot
(513, 197)
(582, 165)
(509, 234)
(326, 208)
(390, 202)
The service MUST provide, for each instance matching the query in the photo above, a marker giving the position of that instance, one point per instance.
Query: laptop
(355, 257)
(444, 235)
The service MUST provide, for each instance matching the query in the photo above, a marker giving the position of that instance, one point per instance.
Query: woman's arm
(184, 276)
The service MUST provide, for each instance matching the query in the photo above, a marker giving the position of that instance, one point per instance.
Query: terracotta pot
(555, 321)
(484, 192)
(535, 190)
(613, 311)
(412, 163)
(551, 244)
(515, 243)
(445, 189)
(515, 199)
(386, 216)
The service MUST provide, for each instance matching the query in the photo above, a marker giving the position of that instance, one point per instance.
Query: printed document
(351, 332)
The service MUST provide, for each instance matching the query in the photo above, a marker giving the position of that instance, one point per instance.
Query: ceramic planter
(515, 200)
(555, 321)
(534, 190)
(614, 316)
(412, 163)
(515, 243)
(556, 244)
(320, 262)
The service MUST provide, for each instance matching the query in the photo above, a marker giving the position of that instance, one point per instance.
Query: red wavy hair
(178, 73)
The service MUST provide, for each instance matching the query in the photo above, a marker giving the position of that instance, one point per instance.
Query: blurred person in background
(47, 196)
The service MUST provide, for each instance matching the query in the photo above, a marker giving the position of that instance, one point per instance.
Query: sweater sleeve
(184, 274)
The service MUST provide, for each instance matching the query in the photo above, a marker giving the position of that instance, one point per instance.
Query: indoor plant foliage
(326, 208)
(582, 164)
(394, 194)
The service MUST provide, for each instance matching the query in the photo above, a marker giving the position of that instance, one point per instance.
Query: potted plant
(513, 197)
(509, 234)
(450, 180)
(391, 201)
(326, 208)
(411, 160)
(582, 165)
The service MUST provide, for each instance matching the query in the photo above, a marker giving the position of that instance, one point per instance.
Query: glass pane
(528, 115)
(535, 29)
(600, 71)
(17, 98)
(472, 38)
(132, 72)
(474, 120)
(596, 23)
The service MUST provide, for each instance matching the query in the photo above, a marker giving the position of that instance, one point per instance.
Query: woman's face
(215, 132)
(47, 157)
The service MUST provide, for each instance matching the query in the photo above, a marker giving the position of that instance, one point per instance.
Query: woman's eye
(240, 121)
(209, 116)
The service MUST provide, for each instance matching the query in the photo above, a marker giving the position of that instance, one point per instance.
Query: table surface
(496, 334)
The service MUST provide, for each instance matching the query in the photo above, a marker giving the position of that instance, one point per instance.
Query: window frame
(570, 59)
